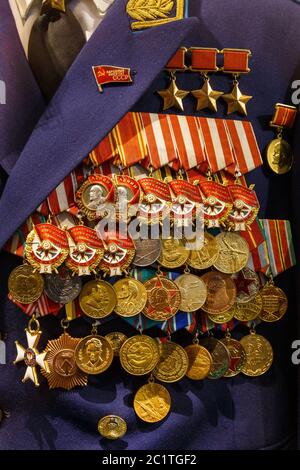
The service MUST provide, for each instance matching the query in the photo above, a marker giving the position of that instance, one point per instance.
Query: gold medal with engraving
(219, 354)
(233, 253)
(139, 355)
(280, 156)
(94, 354)
(193, 292)
(112, 427)
(206, 256)
(116, 340)
(237, 356)
(163, 299)
(221, 293)
(174, 253)
(152, 402)
(25, 285)
(97, 299)
(200, 362)
(221, 318)
(275, 303)
(63, 371)
(248, 311)
(259, 355)
(131, 297)
(173, 363)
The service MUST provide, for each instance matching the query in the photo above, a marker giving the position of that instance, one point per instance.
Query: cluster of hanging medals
(153, 278)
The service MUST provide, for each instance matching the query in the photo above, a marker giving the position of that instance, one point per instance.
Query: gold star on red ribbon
(207, 97)
(172, 96)
(236, 101)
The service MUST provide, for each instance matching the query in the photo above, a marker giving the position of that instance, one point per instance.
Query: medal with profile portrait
(131, 297)
(94, 354)
(95, 196)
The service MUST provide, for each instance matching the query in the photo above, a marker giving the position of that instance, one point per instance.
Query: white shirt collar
(25, 5)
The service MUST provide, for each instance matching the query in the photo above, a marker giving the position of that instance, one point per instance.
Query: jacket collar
(78, 117)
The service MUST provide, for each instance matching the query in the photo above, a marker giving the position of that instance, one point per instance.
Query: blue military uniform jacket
(41, 144)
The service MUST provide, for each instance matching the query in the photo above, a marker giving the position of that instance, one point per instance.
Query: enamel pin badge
(106, 74)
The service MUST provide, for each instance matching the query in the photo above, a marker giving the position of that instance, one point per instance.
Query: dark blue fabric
(239, 413)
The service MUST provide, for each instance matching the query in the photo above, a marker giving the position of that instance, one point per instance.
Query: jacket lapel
(24, 103)
(78, 116)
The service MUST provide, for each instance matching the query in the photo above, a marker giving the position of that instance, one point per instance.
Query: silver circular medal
(62, 288)
(147, 252)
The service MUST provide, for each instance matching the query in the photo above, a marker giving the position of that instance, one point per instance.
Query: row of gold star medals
(228, 290)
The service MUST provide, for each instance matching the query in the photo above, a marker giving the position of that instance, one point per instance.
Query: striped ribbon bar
(42, 307)
(186, 141)
(284, 116)
(203, 59)
(244, 146)
(259, 258)
(236, 61)
(278, 236)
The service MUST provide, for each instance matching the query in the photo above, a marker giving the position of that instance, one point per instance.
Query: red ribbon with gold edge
(186, 198)
(254, 236)
(155, 200)
(236, 61)
(85, 250)
(204, 59)
(245, 207)
(217, 203)
(118, 253)
(46, 247)
(284, 116)
(177, 62)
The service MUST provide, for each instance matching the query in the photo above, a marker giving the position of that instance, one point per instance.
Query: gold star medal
(172, 95)
(31, 355)
(236, 63)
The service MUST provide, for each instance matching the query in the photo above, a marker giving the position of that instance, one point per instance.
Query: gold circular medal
(63, 371)
(280, 156)
(97, 299)
(221, 318)
(200, 362)
(163, 299)
(173, 363)
(174, 253)
(94, 354)
(139, 355)
(221, 293)
(25, 285)
(237, 356)
(219, 354)
(112, 427)
(131, 297)
(259, 355)
(233, 253)
(152, 402)
(193, 292)
(275, 303)
(248, 311)
(116, 340)
(204, 258)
